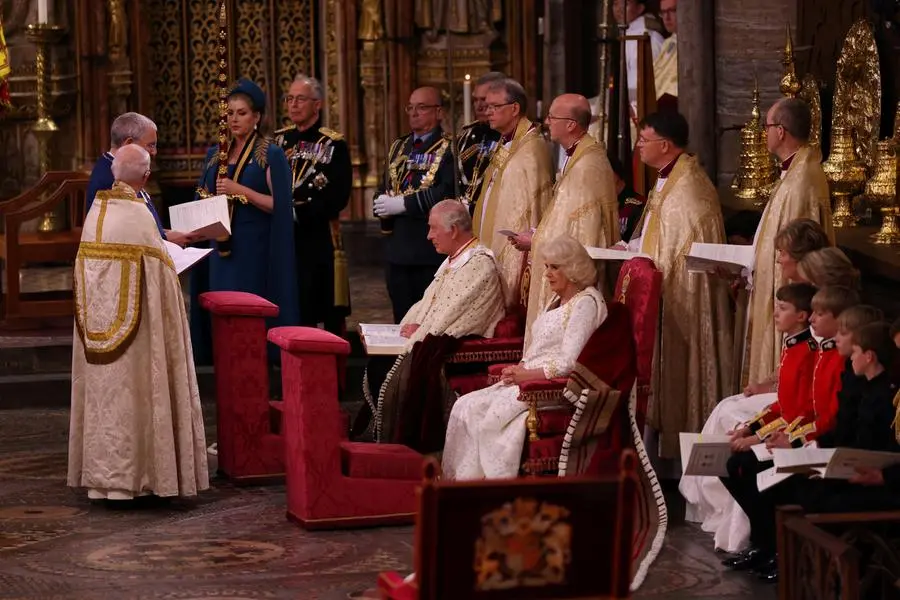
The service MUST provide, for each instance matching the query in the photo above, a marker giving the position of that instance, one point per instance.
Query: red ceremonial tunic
(795, 382)
(826, 385)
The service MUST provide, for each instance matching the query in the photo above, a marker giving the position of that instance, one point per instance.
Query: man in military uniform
(419, 175)
(322, 175)
(476, 143)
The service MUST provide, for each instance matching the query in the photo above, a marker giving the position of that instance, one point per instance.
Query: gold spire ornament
(757, 172)
(846, 175)
(881, 190)
(790, 85)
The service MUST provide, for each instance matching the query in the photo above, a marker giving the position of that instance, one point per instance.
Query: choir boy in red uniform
(817, 406)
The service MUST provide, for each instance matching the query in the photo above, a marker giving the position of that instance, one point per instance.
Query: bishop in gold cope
(584, 203)
(801, 192)
(517, 182)
(695, 347)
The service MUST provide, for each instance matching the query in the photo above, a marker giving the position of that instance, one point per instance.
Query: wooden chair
(523, 538)
(19, 249)
(846, 556)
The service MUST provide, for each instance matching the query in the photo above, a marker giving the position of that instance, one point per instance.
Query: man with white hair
(136, 425)
(322, 177)
(130, 128)
(465, 298)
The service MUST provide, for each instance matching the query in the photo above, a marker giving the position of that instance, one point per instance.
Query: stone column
(749, 39)
(697, 78)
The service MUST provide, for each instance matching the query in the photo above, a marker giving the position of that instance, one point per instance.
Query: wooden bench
(846, 556)
(19, 249)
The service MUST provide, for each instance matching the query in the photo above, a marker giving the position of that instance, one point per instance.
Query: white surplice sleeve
(586, 315)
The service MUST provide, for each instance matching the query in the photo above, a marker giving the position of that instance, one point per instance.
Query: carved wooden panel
(270, 42)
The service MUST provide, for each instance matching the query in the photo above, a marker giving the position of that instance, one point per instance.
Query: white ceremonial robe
(486, 431)
(708, 502)
(465, 298)
(136, 424)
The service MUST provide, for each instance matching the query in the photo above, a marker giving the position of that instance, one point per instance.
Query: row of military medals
(485, 151)
(313, 154)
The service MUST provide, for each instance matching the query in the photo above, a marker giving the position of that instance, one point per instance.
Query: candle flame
(468, 77)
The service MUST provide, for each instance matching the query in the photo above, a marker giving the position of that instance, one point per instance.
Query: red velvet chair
(622, 347)
(639, 287)
(331, 482)
(525, 538)
(249, 449)
(467, 369)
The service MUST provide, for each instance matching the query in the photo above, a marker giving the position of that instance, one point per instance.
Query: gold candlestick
(42, 35)
(846, 175)
(757, 172)
(881, 190)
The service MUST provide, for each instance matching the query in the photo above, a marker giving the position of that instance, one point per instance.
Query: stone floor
(231, 543)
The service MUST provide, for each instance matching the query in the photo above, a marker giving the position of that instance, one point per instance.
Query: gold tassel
(341, 277)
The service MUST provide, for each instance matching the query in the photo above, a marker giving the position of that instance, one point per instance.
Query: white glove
(386, 206)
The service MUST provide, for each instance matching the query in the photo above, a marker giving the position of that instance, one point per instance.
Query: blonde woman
(828, 267)
(486, 431)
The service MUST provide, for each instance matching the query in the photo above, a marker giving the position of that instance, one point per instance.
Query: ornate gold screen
(270, 41)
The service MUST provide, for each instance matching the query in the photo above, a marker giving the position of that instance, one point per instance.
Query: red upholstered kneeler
(333, 483)
(248, 450)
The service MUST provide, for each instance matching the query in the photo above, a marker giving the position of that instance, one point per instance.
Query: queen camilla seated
(486, 431)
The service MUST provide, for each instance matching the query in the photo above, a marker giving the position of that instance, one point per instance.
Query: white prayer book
(832, 463)
(769, 477)
(706, 258)
(613, 254)
(382, 339)
(185, 258)
(762, 453)
(205, 219)
(705, 455)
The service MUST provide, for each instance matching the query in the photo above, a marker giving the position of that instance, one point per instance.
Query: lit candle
(467, 99)
(42, 11)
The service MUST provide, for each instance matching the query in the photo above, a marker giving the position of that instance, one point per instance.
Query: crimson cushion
(241, 304)
(380, 461)
(308, 340)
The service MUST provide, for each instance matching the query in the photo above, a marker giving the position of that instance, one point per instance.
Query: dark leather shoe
(768, 571)
(749, 559)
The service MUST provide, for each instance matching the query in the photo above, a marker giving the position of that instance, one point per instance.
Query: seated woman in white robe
(486, 431)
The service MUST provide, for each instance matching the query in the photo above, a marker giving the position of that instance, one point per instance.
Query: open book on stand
(206, 219)
(382, 339)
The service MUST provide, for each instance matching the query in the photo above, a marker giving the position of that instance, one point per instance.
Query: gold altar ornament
(857, 90)
(881, 190)
(757, 172)
(42, 35)
(789, 85)
(809, 93)
(846, 175)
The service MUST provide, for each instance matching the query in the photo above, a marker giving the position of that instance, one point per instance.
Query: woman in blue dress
(259, 256)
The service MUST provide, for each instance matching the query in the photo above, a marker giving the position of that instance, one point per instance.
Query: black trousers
(406, 284)
(758, 506)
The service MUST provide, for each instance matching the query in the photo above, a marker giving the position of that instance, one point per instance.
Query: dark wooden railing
(19, 249)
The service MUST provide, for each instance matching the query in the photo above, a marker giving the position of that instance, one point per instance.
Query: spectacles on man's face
(288, 99)
(668, 12)
(642, 141)
(550, 118)
(495, 107)
(420, 108)
(767, 125)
